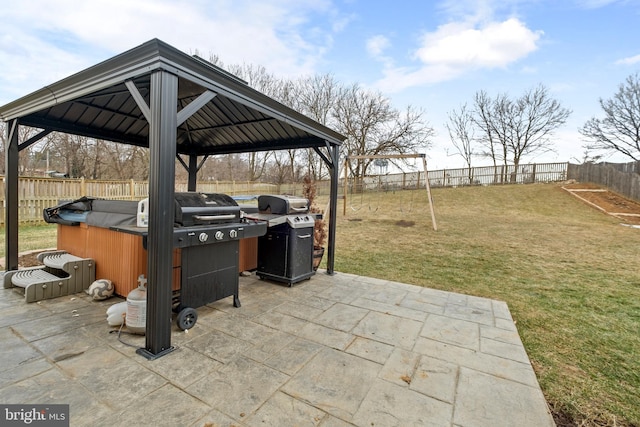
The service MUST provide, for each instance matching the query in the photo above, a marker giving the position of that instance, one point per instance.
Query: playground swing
(402, 205)
(362, 191)
(412, 188)
(411, 196)
(353, 208)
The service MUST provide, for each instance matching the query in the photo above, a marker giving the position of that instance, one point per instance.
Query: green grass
(32, 237)
(568, 272)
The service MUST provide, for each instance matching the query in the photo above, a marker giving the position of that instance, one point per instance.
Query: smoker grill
(285, 252)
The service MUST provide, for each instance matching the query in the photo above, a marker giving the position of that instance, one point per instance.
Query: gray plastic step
(58, 260)
(25, 278)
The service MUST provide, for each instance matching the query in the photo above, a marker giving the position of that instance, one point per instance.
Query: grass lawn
(32, 237)
(569, 273)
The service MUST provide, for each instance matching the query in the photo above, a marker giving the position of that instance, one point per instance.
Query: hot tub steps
(62, 274)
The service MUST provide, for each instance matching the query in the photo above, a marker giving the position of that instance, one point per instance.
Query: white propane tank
(142, 219)
(136, 319)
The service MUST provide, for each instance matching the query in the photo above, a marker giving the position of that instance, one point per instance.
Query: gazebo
(177, 105)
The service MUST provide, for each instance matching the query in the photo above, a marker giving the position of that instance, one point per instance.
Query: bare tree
(512, 129)
(31, 160)
(279, 170)
(534, 116)
(315, 97)
(619, 130)
(367, 118)
(373, 126)
(483, 119)
(462, 133)
(257, 164)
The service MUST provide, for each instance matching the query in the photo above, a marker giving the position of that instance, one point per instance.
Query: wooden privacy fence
(623, 178)
(38, 193)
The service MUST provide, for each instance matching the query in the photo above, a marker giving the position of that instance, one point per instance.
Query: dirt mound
(626, 210)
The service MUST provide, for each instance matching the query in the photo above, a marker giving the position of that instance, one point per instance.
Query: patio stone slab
(333, 351)
(326, 336)
(470, 313)
(21, 352)
(294, 356)
(391, 405)
(219, 346)
(284, 410)
(522, 405)
(238, 388)
(389, 329)
(281, 321)
(341, 317)
(452, 331)
(334, 382)
(435, 378)
(487, 363)
(387, 308)
(166, 406)
(400, 367)
(183, 366)
(371, 350)
(21, 372)
(60, 322)
(114, 378)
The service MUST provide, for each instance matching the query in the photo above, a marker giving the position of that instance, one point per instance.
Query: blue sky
(434, 55)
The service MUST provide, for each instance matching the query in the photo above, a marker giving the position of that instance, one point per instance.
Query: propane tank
(136, 319)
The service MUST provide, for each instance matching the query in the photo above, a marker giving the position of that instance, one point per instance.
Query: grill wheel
(187, 318)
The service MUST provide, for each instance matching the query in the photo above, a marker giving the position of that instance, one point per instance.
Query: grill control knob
(233, 234)
(219, 235)
(203, 237)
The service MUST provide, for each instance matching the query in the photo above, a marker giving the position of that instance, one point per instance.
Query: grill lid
(282, 204)
(194, 208)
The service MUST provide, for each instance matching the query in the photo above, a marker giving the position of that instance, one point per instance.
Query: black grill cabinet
(285, 252)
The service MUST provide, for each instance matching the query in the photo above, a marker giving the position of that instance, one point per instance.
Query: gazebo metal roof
(158, 97)
(232, 117)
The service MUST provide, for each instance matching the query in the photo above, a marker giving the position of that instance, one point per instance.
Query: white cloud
(376, 45)
(55, 38)
(495, 45)
(630, 60)
(461, 47)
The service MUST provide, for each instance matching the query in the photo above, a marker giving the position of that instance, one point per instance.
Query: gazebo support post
(193, 172)
(334, 151)
(162, 149)
(11, 196)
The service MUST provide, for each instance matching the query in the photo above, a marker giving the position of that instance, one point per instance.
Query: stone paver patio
(332, 351)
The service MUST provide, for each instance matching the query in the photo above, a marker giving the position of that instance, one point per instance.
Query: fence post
(533, 173)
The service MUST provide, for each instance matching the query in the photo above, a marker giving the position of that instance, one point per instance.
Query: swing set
(347, 163)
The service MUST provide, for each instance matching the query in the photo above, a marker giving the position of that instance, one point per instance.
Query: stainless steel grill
(285, 252)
